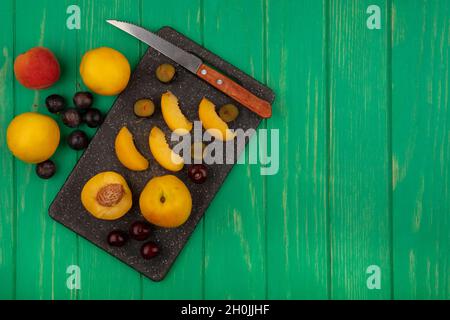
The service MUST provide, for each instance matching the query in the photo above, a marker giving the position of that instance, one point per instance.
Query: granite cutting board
(100, 155)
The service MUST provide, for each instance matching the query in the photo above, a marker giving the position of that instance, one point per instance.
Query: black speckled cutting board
(100, 155)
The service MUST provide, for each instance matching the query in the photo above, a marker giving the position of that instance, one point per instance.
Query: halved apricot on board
(127, 153)
(211, 121)
(107, 196)
(172, 114)
(162, 152)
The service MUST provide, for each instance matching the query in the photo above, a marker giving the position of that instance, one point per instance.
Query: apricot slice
(172, 114)
(107, 196)
(127, 153)
(211, 121)
(166, 201)
(162, 153)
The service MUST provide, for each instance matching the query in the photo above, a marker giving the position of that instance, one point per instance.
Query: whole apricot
(107, 196)
(105, 71)
(166, 201)
(37, 68)
(33, 137)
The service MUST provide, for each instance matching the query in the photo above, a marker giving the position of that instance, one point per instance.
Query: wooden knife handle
(235, 91)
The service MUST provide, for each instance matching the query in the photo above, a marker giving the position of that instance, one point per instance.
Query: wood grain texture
(359, 158)
(100, 270)
(234, 222)
(364, 162)
(297, 242)
(44, 248)
(421, 149)
(7, 190)
(185, 279)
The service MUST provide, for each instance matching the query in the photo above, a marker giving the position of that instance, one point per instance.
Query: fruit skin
(228, 112)
(93, 118)
(166, 201)
(198, 173)
(33, 137)
(117, 238)
(105, 71)
(55, 103)
(211, 121)
(78, 140)
(83, 100)
(127, 153)
(71, 117)
(144, 108)
(172, 114)
(46, 169)
(37, 68)
(165, 72)
(162, 152)
(94, 185)
(140, 230)
(149, 250)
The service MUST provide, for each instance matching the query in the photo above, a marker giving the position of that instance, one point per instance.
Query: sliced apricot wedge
(172, 114)
(127, 153)
(211, 121)
(162, 152)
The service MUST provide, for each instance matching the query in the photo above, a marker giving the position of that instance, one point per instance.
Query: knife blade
(195, 65)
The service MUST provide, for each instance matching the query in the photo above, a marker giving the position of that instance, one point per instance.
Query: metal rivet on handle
(203, 72)
(219, 81)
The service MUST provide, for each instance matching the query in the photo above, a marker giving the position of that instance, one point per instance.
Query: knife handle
(235, 91)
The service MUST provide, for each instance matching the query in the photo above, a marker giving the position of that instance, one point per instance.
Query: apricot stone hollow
(107, 196)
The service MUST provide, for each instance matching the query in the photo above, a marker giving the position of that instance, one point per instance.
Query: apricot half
(161, 151)
(127, 153)
(172, 114)
(211, 121)
(107, 196)
(166, 201)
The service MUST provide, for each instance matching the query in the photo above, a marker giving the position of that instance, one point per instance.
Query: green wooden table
(363, 188)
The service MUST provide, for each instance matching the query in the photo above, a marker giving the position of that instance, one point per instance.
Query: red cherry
(140, 230)
(198, 173)
(149, 250)
(117, 238)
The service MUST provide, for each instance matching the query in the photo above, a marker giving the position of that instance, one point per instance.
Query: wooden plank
(421, 149)
(7, 191)
(359, 181)
(100, 270)
(297, 195)
(44, 248)
(234, 223)
(185, 279)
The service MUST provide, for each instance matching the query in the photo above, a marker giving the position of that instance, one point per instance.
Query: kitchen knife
(196, 66)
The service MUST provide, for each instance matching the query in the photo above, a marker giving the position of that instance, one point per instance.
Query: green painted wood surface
(7, 190)
(363, 119)
(297, 239)
(421, 149)
(43, 248)
(359, 168)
